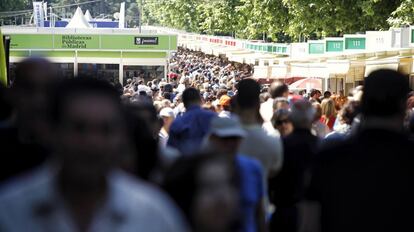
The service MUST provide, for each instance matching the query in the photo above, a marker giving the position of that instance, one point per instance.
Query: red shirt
(328, 121)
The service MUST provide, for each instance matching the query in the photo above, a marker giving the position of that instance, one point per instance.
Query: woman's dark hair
(349, 112)
(280, 113)
(146, 146)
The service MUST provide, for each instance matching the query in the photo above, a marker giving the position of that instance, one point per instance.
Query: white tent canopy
(78, 20)
(88, 16)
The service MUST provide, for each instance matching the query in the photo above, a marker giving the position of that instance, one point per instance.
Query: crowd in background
(206, 148)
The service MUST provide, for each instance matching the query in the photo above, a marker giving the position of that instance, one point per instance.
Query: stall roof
(88, 16)
(78, 20)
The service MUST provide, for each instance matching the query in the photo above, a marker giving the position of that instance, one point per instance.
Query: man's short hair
(191, 95)
(277, 89)
(81, 85)
(385, 94)
(327, 94)
(313, 92)
(302, 114)
(248, 94)
(30, 65)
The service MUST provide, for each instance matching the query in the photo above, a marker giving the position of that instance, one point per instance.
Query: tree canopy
(279, 20)
(276, 20)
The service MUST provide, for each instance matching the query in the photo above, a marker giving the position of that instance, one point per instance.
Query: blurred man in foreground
(81, 189)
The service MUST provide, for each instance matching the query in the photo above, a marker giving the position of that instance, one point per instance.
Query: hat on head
(167, 112)
(225, 100)
(226, 127)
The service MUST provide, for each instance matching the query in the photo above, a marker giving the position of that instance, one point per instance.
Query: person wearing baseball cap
(167, 115)
(224, 137)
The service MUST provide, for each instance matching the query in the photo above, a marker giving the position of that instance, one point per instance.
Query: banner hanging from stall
(38, 14)
(3, 65)
(45, 10)
(122, 16)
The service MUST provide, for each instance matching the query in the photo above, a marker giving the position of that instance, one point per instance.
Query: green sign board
(76, 42)
(355, 43)
(334, 46)
(98, 42)
(269, 48)
(316, 48)
(412, 35)
(278, 49)
(20, 41)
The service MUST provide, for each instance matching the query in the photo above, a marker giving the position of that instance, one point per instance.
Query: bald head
(278, 89)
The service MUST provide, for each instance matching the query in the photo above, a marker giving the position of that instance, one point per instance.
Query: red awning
(308, 83)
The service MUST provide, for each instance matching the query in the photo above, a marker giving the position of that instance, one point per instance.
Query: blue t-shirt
(251, 190)
(187, 132)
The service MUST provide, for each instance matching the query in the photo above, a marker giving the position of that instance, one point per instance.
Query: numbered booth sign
(378, 40)
(334, 44)
(316, 47)
(355, 42)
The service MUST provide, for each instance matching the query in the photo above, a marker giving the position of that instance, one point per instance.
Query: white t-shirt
(266, 110)
(163, 136)
(265, 148)
(33, 204)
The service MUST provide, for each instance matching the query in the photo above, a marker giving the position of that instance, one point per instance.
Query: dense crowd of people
(206, 148)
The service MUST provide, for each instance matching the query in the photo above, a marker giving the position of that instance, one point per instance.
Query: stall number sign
(146, 40)
(334, 46)
(355, 43)
(316, 48)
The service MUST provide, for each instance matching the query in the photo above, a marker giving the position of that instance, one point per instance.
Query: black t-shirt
(288, 187)
(366, 183)
(16, 157)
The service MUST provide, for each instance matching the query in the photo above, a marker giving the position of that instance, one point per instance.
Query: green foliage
(14, 5)
(278, 20)
(403, 15)
(275, 20)
(336, 17)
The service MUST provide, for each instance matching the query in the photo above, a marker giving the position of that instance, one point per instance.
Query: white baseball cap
(167, 112)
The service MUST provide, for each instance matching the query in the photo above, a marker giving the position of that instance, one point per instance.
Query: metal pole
(140, 16)
(51, 23)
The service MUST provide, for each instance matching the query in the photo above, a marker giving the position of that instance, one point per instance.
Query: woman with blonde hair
(328, 113)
